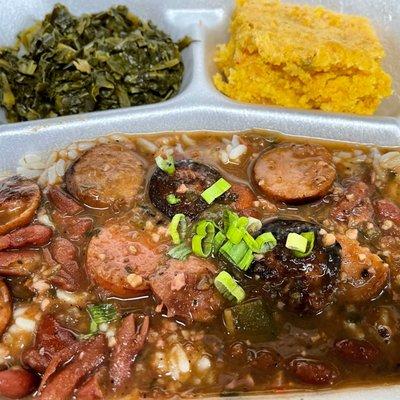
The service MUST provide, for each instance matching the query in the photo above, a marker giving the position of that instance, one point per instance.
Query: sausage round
(5, 307)
(16, 383)
(106, 175)
(187, 183)
(304, 285)
(363, 275)
(186, 289)
(120, 259)
(19, 200)
(295, 173)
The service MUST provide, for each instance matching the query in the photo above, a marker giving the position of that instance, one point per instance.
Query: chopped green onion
(296, 242)
(229, 218)
(254, 225)
(216, 190)
(172, 199)
(178, 221)
(202, 241)
(180, 252)
(310, 236)
(219, 240)
(166, 164)
(101, 313)
(266, 242)
(239, 254)
(228, 287)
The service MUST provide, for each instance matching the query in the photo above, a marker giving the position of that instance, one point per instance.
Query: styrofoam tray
(199, 106)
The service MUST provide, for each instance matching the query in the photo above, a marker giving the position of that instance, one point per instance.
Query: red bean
(357, 351)
(313, 372)
(17, 383)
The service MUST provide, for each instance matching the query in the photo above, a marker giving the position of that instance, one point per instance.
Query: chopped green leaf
(310, 236)
(172, 199)
(101, 313)
(216, 190)
(240, 255)
(296, 242)
(202, 241)
(177, 223)
(228, 287)
(166, 164)
(180, 252)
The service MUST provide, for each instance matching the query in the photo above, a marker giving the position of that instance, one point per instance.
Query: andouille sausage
(30, 236)
(186, 289)
(19, 200)
(129, 342)
(120, 259)
(95, 387)
(19, 263)
(51, 337)
(88, 356)
(295, 173)
(5, 307)
(74, 227)
(63, 202)
(16, 383)
(106, 175)
(363, 274)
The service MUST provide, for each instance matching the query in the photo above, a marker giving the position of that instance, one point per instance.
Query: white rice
(146, 146)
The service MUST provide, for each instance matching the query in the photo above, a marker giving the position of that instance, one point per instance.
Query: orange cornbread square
(302, 56)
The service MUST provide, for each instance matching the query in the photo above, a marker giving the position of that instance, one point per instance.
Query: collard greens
(68, 65)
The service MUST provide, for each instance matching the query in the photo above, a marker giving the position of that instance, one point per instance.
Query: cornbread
(302, 56)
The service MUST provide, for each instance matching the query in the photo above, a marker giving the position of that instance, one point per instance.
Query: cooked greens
(68, 65)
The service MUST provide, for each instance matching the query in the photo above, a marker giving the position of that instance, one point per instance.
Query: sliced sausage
(120, 259)
(128, 344)
(295, 173)
(94, 387)
(186, 289)
(106, 175)
(19, 200)
(19, 263)
(30, 236)
(357, 351)
(304, 285)
(313, 372)
(73, 227)
(51, 337)
(63, 201)
(386, 210)
(244, 199)
(61, 385)
(69, 276)
(190, 179)
(355, 206)
(363, 275)
(5, 307)
(16, 383)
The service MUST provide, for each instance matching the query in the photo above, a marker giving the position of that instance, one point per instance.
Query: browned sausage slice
(363, 274)
(5, 307)
(295, 173)
(120, 259)
(16, 383)
(108, 174)
(30, 236)
(19, 263)
(186, 289)
(63, 202)
(95, 387)
(50, 338)
(19, 200)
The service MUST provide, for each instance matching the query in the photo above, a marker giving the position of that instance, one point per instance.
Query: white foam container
(199, 106)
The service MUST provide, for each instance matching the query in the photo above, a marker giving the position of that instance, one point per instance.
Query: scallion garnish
(216, 190)
(99, 314)
(219, 240)
(239, 254)
(178, 222)
(202, 241)
(172, 199)
(296, 242)
(180, 252)
(166, 164)
(310, 236)
(228, 287)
